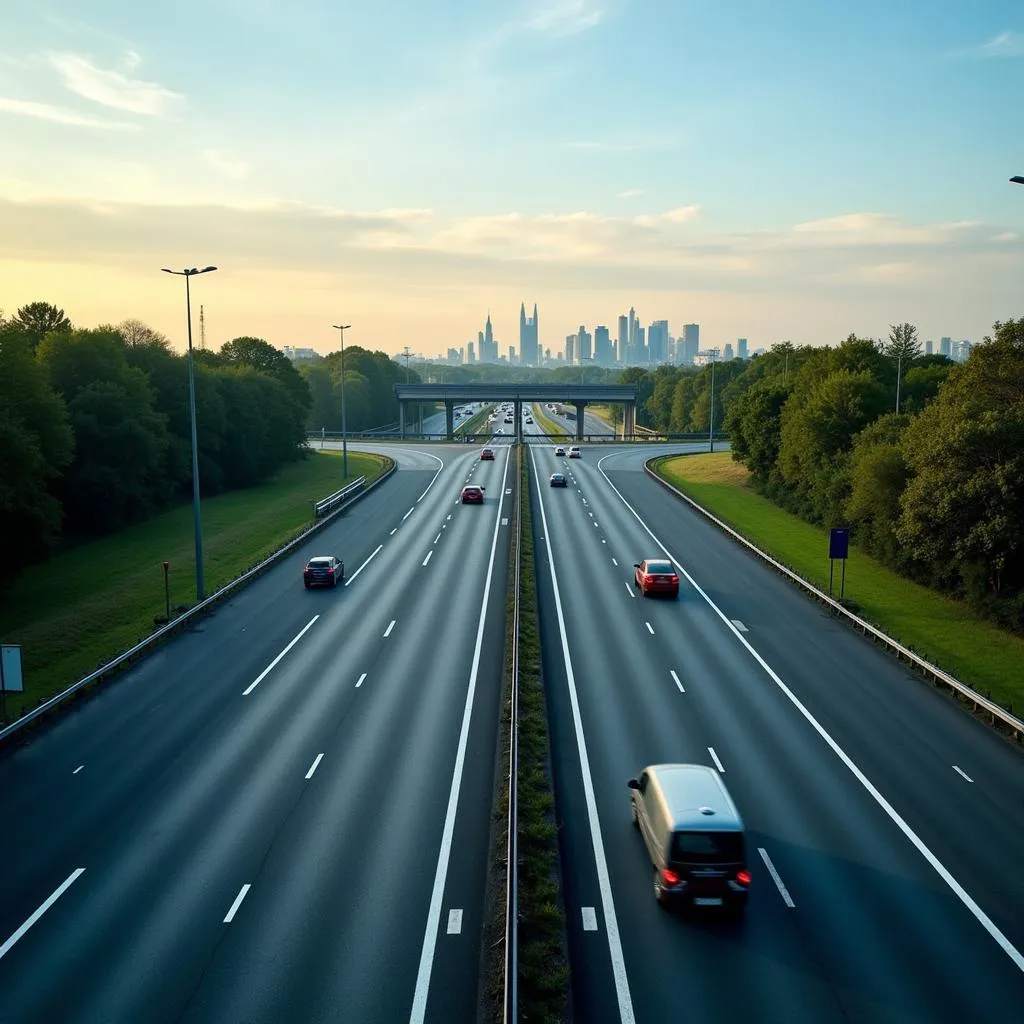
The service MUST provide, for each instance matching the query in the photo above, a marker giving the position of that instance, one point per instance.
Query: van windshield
(707, 847)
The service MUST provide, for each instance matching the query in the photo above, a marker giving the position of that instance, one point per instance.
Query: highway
(885, 826)
(284, 814)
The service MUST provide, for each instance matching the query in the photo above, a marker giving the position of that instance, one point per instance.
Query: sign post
(10, 674)
(167, 590)
(838, 548)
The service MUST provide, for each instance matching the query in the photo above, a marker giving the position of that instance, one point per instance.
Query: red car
(656, 576)
(472, 495)
(486, 454)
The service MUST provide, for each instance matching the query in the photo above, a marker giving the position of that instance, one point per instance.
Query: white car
(559, 450)
(574, 452)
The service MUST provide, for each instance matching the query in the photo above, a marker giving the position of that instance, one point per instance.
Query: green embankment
(75, 612)
(549, 426)
(942, 630)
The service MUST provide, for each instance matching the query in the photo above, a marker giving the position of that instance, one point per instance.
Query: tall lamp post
(342, 328)
(196, 515)
(711, 428)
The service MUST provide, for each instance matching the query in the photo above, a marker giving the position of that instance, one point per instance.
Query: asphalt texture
(284, 814)
(891, 823)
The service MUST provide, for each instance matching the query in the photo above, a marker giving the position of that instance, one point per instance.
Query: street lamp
(711, 428)
(196, 516)
(342, 328)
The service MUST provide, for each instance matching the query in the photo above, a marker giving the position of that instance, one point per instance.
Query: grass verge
(549, 426)
(77, 612)
(937, 628)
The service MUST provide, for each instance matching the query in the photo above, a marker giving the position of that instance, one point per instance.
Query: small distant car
(323, 571)
(656, 576)
(574, 452)
(557, 480)
(472, 495)
(486, 454)
(559, 450)
(529, 419)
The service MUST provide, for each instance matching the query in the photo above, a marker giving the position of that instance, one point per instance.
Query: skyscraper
(929, 347)
(691, 342)
(583, 344)
(623, 340)
(602, 346)
(529, 344)
(741, 344)
(570, 348)
(946, 347)
(488, 346)
(631, 340)
(470, 352)
(728, 354)
(657, 342)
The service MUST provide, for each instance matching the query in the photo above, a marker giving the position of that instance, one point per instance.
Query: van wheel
(659, 891)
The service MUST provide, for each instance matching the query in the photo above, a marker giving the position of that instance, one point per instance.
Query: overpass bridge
(578, 395)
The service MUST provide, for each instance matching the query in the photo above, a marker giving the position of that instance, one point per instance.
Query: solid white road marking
(42, 909)
(960, 771)
(440, 466)
(391, 626)
(393, 532)
(78, 769)
(427, 559)
(259, 679)
(618, 962)
(589, 919)
(419, 999)
(650, 628)
(614, 562)
(238, 902)
(409, 513)
(739, 625)
(629, 589)
(313, 767)
(454, 922)
(940, 869)
(783, 891)
(672, 673)
(364, 565)
(437, 538)
(714, 757)
(359, 681)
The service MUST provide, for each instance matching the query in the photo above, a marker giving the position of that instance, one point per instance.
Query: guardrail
(926, 668)
(144, 647)
(324, 505)
(511, 1001)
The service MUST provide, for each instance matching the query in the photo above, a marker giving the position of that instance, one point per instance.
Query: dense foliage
(95, 431)
(933, 488)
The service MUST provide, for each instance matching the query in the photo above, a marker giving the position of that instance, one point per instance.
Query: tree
(36, 444)
(262, 356)
(38, 319)
(136, 334)
(754, 423)
(902, 348)
(962, 514)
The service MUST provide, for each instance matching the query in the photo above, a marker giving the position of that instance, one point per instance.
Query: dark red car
(656, 576)
(472, 495)
(486, 454)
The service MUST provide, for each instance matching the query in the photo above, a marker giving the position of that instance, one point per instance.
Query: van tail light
(743, 877)
(669, 876)
(330, 570)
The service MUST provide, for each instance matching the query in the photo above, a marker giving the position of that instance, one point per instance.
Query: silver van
(694, 836)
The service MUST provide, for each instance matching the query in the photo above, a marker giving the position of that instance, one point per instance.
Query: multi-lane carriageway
(284, 815)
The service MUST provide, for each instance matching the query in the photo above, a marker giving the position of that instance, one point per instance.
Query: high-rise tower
(529, 342)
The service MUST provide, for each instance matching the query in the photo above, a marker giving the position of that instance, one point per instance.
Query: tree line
(922, 458)
(95, 428)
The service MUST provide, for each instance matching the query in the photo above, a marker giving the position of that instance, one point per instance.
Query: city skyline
(764, 199)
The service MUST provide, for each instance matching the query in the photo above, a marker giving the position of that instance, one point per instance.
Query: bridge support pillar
(629, 421)
(449, 419)
(517, 416)
(581, 408)
(401, 418)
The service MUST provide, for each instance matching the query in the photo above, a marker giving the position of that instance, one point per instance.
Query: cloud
(871, 229)
(566, 17)
(59, 115)
(681, 215)
(226, 163)
(112, 88)
(1005, 44)
(1004, 237)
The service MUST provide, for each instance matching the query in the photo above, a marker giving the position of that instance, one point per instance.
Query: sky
(770, 169)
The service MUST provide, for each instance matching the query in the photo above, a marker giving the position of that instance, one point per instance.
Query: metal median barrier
(325, 505)
(511, 1001)
(144, 647)
(926, 668)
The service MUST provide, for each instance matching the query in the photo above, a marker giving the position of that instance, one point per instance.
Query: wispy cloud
(114, 89)
(226, 163)
(872, 229)
(630, 193)
(680, 215)
(566, 17)
(1005, 44)
(59, 115)
(1005, 237)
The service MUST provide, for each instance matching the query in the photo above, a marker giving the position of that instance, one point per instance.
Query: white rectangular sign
(10, 667)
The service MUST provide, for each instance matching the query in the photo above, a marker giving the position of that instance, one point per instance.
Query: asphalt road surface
(284, 814)
(885, 826)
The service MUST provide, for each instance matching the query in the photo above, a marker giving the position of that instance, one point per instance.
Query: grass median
(77, 611)
(548, 425)
(945, 632)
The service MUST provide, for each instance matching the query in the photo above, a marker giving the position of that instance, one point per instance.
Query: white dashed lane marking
(739, 625)
(960, 771)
